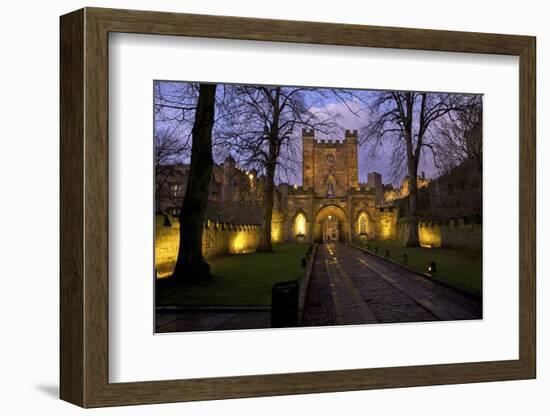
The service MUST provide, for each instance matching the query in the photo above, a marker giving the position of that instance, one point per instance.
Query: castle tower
(308, 139)
(351, 159)
(375, 182)
(329, 167)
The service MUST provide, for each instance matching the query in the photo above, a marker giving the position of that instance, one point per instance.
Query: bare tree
(175, 105)
(169, 149)
(405, 119)
(261, 131)
(190, 264)
(174, 110)
(459, 138)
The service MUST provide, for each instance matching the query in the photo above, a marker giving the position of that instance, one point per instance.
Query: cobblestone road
(349, 286)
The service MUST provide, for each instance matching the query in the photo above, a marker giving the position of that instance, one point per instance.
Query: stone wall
(333, 161)
(452, 234)
(386, 224)
(277, 227)
(218, 238)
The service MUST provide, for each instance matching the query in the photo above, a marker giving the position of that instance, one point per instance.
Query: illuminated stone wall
(332, 161)
(452, 234)
(363, 206)
(166, 244)
(218, 239)
(277, 227)
(386, 224)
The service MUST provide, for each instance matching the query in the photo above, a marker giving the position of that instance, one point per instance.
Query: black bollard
(376, 249)
(284, 304)
(405, 258)
(387, 253)
(432, 267)
(304, 262)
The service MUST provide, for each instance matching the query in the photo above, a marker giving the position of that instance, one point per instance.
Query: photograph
(297, 206)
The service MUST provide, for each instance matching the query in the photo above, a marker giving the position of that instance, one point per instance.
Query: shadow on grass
(238, 279)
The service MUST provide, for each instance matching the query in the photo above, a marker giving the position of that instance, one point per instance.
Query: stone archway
(331, 224)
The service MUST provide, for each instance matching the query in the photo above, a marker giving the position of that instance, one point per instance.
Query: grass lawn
(239, 279)
(460, 267)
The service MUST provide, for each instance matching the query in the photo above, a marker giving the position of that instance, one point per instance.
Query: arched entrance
(331, 224)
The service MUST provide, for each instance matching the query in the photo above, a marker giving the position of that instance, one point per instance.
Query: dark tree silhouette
(460, 138)
(190, 264)
(261, 130)
(169, 148)
(405, 118)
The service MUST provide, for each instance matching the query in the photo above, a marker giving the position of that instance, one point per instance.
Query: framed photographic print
(256, 207)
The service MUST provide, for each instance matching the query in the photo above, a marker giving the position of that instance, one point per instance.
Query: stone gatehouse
(331, 204)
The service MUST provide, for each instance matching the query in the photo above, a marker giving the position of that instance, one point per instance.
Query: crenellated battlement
(218, 238)
(350, 136)
(329, 143)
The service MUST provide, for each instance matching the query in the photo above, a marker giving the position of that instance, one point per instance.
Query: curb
(212, 308)
(305, 286)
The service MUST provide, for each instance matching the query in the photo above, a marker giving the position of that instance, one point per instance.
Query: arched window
(362, 224)
(300, 225)
(330, 187)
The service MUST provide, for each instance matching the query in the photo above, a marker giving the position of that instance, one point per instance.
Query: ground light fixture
(432, 267)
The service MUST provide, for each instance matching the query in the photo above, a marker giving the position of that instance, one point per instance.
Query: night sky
(345, 119)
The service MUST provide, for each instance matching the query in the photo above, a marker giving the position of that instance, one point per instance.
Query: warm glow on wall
(238, 243)
(429, 236)
(386, 230)
(386, 226)
(277, 221)
(276, 232)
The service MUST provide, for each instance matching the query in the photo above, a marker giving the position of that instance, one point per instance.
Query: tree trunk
(190, 264)
(412, 239)
(265, 237)
(271, 164)
(413, 156)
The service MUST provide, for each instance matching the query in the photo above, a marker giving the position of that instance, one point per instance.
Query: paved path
(349, 286)
(210, 320)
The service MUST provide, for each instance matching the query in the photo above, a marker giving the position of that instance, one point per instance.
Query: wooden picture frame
(84, 207)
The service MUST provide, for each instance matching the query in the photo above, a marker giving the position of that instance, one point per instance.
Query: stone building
(234, 193)
(331, 204)
(392, 194)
